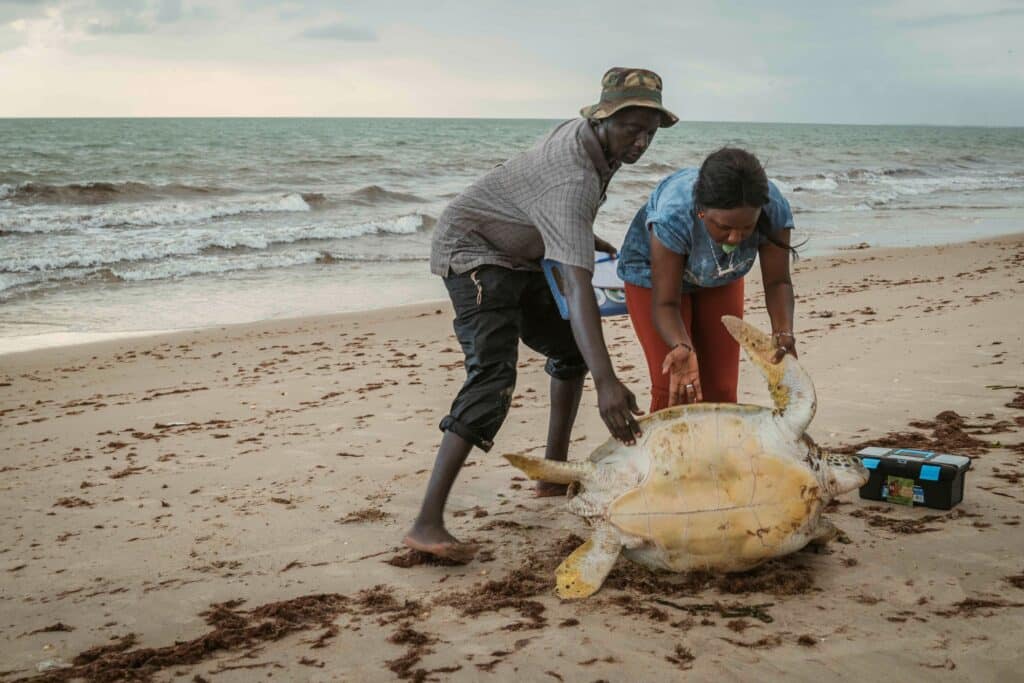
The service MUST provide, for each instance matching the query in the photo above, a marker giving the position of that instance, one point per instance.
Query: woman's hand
(785, 343)
(684, 376)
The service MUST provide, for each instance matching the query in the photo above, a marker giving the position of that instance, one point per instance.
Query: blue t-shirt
(670, 214)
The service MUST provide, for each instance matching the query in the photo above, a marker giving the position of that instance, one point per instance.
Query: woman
(683, 262)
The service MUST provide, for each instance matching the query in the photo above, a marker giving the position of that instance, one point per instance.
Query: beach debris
(365, 515)
(58, 627)
(415, 558)
(232, 629)
(731, 611)
(681, 657)
(950, 433)
(715, 487)
(972, 607)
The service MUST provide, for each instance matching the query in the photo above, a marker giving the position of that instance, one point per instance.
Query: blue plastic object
(610, 300)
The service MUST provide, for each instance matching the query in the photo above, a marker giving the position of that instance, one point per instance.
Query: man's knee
(482, 405)
(569, 368)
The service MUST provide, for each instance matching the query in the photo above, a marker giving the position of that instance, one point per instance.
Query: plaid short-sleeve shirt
(539, 204)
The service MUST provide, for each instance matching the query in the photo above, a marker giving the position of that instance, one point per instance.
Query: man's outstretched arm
(616, 403)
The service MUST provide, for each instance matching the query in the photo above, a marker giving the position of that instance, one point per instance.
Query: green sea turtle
(714, 486)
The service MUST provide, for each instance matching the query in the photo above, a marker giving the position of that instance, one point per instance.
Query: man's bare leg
(565, 402)
(428, 533)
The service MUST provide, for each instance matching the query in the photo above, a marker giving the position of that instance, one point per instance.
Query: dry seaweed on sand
(784, 576)
(681, 657)
(416, 558)
(514, 591)
(233, 629)
(972, 607)
(418, 644)
(511, 592)
(381, 601)
(948, 435)
(367, 515)
(730, 611)
(900, 525)
(759, 644)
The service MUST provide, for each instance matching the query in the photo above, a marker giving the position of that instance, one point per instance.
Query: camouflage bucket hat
(622, 87)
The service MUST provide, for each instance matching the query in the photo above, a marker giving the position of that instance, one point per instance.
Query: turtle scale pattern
(708, 486)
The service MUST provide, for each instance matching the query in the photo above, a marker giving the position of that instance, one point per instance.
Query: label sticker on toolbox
(898, 490)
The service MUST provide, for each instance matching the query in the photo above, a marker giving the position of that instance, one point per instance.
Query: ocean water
(114, 226)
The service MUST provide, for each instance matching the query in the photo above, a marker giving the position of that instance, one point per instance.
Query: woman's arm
(778, 294)
(680, 364)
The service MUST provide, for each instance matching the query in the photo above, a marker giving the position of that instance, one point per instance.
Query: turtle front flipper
(823, 533)
(789, 384)
(581, 574)
(553, 471)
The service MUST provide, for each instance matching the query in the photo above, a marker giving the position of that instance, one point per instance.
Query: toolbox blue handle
(913, 451)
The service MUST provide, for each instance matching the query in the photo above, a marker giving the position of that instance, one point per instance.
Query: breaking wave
(150, 215)
(375, 194)
(106, 248)
(99, 192)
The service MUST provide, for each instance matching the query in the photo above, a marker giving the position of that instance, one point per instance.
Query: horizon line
(489, 118)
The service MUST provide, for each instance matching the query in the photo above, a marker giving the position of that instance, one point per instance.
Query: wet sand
(228, 504)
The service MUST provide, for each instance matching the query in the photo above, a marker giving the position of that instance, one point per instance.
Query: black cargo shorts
(495, 307)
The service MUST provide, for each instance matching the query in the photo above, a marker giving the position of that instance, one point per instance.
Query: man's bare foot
(545, 489)
(440, 543)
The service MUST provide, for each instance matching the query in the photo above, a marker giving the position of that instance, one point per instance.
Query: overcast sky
(907, 61)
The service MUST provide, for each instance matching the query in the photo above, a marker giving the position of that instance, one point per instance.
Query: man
(488, 245)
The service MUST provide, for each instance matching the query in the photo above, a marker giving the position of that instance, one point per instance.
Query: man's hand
(684, 376)
(617, 405)
(604, 247)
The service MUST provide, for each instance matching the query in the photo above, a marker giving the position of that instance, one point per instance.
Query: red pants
(718, 354)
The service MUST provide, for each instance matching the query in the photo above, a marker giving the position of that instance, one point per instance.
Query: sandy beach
(228, 504)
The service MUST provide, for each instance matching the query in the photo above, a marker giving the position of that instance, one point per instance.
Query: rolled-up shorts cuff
(565, 370)
(452, 424)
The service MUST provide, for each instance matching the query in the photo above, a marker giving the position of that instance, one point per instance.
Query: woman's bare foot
(438, 542)
(545, 489)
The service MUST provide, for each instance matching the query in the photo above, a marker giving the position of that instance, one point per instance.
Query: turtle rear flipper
(553, 471)
(581, 574)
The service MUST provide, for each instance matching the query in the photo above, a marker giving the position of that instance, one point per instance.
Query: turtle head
(846, 471)
(788, 383)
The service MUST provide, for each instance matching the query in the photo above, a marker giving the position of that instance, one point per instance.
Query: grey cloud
(122, 26)
(951, 19)
(11, 10)
(9, 39)
(340, 31)
(169, 11)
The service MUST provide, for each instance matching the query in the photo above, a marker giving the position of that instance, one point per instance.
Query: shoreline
(270, 470)
(61, 340)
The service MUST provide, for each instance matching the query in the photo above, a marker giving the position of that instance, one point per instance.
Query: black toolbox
(906, 476)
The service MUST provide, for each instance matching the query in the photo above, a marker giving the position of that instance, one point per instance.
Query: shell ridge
(718, 481)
